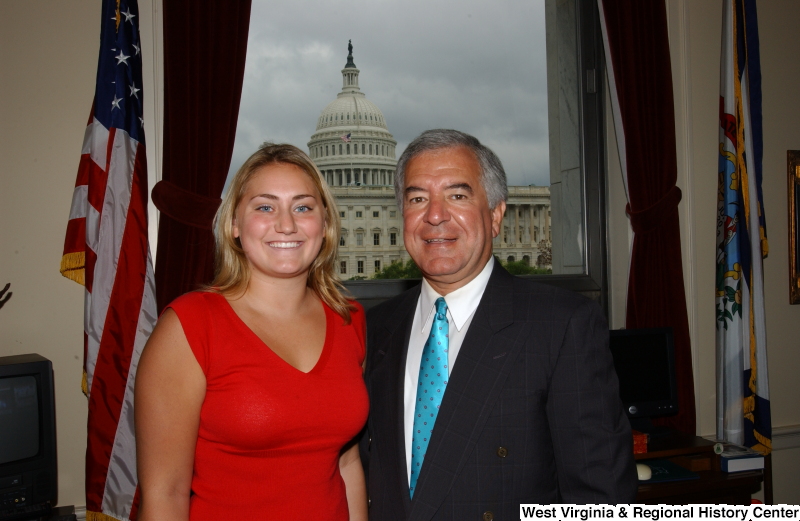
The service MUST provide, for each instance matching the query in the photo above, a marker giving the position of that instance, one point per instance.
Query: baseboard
(80, 513)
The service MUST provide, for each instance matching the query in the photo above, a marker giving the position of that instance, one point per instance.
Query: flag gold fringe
(98, 516)
(85, 384)
(72, 266)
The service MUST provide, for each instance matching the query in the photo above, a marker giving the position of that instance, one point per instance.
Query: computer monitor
(28, 466)
(645, 364)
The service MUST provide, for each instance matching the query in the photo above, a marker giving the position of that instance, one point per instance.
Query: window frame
(594, 282)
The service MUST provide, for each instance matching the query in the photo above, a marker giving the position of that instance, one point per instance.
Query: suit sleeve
(592, 441)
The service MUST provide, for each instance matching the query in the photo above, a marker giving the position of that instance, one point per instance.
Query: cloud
(472, 65)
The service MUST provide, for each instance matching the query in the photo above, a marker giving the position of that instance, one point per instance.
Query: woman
(249, 393)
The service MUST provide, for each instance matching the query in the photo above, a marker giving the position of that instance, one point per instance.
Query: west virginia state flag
(743, 410)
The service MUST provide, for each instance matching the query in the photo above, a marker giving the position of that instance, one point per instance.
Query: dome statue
(352, 145)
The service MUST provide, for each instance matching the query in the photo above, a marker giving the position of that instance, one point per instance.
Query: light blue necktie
(433, 375)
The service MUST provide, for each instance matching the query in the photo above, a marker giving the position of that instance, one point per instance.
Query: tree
(546, 256)
(521, 268)
(400, 270)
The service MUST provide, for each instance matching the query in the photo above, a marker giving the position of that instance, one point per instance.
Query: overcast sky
(475, 66)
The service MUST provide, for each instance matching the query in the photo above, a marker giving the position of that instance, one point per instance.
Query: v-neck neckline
(323, 356)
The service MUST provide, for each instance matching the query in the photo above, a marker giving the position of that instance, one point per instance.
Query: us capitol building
(356, 154)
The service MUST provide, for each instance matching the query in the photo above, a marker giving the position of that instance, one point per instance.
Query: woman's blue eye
(303, 208)
(264, 208)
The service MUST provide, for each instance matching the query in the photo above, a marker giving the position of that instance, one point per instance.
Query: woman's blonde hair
(231, 270)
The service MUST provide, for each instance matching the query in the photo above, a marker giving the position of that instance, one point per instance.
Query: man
(516, 376)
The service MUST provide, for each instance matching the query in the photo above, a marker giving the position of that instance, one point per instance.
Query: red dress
(270, 435)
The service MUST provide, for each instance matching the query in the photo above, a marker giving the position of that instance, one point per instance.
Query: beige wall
(48, 62)
(48, 57)
(695, 32)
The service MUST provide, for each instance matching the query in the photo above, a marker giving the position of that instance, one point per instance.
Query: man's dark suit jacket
(531, 414)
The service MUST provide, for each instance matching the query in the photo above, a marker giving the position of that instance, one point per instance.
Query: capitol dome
(352, 145)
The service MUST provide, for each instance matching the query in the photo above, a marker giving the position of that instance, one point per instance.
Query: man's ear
(497, 217)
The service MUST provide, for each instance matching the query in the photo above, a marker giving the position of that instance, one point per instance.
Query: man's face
(448, 226)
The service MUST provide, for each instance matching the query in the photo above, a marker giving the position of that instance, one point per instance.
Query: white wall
(48, 57)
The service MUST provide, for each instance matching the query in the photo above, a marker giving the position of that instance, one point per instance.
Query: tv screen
(19, 418)
(645, 364)
(28, 466)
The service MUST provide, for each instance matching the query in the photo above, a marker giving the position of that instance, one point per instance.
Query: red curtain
(638, 50)
(205, 44)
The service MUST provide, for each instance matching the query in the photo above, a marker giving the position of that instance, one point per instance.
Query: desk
(713, 487)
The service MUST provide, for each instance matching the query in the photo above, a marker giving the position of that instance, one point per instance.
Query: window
(342, 214)
(392, 213)
(343, 267)
(393, 239)
(361, 266)
(348, 145)
(376, 213)
(359, 239)
(377, 265)
(342, 241)
(575, 127)
(359, 214)
(376, 239)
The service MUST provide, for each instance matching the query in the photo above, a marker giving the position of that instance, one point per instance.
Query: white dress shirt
(461, 306)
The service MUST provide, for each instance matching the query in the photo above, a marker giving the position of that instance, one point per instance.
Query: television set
(28, 466)
(645, 364)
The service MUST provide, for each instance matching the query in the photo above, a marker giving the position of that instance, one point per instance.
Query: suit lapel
(390, 368)
(483, 363)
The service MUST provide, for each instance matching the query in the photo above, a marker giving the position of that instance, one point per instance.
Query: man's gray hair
(493, 177)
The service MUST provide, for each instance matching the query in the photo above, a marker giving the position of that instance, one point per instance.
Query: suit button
(502, 452)
(488, 516)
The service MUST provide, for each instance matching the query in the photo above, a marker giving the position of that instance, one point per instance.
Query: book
(735, 458)
(666, 470)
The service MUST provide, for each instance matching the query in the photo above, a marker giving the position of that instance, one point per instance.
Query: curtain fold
(205, 45)
(638, 63)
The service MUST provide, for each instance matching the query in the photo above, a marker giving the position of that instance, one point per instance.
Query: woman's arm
(170, 388)
(356, 488)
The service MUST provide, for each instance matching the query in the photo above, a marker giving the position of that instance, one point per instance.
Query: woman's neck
(277, 297)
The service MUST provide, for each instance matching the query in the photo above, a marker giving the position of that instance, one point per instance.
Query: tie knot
(441, 308)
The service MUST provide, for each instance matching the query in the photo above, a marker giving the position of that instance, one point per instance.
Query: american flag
(346, 137)
(106, 250)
